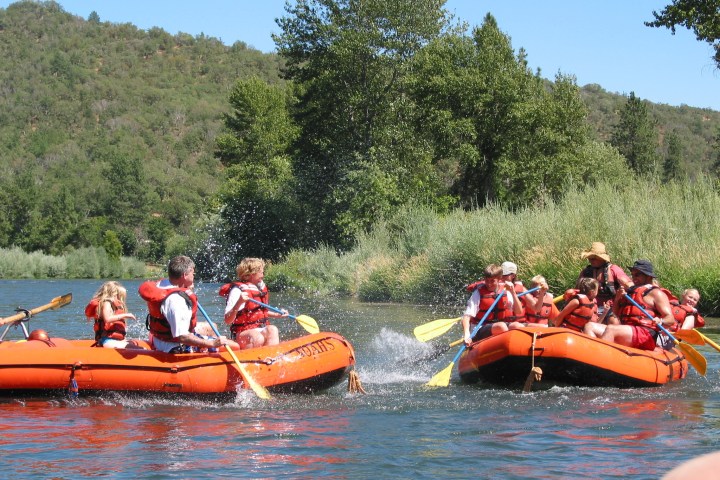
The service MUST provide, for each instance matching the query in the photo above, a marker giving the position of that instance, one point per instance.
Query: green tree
(700, 16)
(496, 127)
(635, 136)
(349, 61)
(112, 245)
(673, 158)
(259, 212)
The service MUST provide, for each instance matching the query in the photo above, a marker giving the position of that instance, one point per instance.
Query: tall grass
(80, 263)
(421, 257)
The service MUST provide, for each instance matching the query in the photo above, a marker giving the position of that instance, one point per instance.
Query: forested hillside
(113, 136)
(108, 128)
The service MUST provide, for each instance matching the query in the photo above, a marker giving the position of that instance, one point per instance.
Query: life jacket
(585, 312)
(544, 314)
(487, 298)
(632, 315)
(680, 312)
(606, 279)
(509, 315)
(114, 330)
(251, 315)
(155, 297)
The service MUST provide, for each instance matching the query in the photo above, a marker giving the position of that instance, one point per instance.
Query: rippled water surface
(400, 429)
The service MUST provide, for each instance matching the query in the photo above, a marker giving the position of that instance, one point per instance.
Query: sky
(602, 42)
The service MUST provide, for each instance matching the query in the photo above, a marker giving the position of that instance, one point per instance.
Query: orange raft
(566, 357)
(309, 363)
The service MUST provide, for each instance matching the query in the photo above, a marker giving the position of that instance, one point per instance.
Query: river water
(400, 429)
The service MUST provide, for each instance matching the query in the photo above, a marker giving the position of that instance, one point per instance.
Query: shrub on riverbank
(421, 257)
(80, 263)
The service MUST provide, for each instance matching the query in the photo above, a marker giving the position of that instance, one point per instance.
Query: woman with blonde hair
(249, 321)
(109, 312)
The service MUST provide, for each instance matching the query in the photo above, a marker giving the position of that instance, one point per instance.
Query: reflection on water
(401, 429)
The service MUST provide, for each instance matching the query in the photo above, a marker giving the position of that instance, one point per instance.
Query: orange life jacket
(585, 312)
(487, 298)
(251, 315)
(632, 315)
(114, 330)
(545, 311)
(510, 315)
(680, 312)
(156, 321)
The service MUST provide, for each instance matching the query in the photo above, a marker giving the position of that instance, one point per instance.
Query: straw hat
(597, 250)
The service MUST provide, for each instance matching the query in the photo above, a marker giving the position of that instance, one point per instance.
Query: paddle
(691, 336)
(55, 303)
(692, 355)
(259, 390)
(696, 338)
(442, 378)
(308, 323)
(430, 330)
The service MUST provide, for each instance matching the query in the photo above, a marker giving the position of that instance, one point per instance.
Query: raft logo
(315, 348)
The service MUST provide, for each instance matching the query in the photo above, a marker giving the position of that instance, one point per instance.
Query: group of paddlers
(606, 303)
(172, 304)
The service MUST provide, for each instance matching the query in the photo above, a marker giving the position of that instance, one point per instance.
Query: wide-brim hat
(644, 267)
(597, 249)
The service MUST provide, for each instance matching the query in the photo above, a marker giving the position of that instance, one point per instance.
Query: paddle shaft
(259, 390)
(54, 303)
(477, 327)
(274, 309)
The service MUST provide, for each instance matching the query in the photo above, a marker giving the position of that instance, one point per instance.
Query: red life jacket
(680, 312)
(487, 298)
(251, 315)
(545, 311)
(155, 296)
(585, 312)
(114, 330)
(632, 315)
(510, 315)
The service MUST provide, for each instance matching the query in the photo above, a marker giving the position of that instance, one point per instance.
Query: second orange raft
(566, 357)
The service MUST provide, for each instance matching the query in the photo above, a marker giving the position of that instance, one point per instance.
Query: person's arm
(471, 310)
(569, 307)
(109, 315)
(517, 306)
(623, 279)
(235, 302)
(662, 307)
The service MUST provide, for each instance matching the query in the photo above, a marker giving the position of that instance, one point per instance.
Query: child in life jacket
(109, 312)
(248, 320)
(580, 308)
(539, 306)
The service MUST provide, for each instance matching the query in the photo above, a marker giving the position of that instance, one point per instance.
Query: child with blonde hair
(109, 311)
(248, 320)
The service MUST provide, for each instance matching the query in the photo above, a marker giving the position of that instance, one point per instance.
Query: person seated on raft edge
(482, 298)
(173, 306)
(636, 329)
(108, 310)
(539, 306)
(249, 321)
(580, 307)
(609, 276)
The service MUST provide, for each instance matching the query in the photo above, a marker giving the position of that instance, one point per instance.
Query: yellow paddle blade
(430, 330)
(690, 336)
(308, 323)
(694, 358)
(55, 303)
(442, 378)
